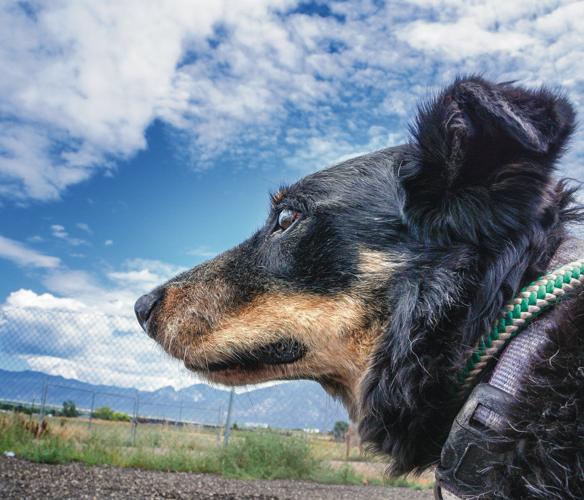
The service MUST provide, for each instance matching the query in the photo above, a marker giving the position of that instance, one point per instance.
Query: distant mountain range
(292, 405)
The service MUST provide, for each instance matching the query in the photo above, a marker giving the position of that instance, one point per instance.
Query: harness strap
(481, 435)
(532, 300)
(464, 470)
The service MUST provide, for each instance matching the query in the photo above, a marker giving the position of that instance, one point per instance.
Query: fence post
(43, 401)
(180, 410)
(31, 409)
(135, 418)
(219, 424)
(92, 408)
(228, 419)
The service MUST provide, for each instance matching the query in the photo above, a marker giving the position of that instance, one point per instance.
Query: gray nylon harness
(463, 471)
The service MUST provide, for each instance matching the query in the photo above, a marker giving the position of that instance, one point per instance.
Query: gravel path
(22, 479)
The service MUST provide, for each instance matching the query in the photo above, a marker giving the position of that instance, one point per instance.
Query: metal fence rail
(94, 360)
(52, 353)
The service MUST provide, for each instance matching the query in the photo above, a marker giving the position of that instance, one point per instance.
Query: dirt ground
(22, 479)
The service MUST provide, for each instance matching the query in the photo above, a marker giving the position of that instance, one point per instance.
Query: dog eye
(287, 218)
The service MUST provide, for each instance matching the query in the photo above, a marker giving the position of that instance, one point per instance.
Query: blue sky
(153, 206)
(141, 138)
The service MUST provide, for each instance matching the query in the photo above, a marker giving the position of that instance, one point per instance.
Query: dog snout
(144, 306)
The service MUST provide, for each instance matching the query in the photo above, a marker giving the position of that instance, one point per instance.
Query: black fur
(481, 201)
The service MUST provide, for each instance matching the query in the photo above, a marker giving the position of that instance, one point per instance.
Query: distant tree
(340, 430)
(121, 417)
(69, 409)
(234, 426)
(103, 413)
(106, 413)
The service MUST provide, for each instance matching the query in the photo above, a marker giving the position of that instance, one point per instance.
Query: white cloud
(161, 270)
(83, 81)
(464, 37)
(337, 147)
(146, 369)
(26, 163)
(27, 298)
(75, 283)
(84, 227)
(116, 291)
(23, 256)
(86, 329)
(59, 232)
(87, 77)
(234, 77)
(33, 324)
(108, 243)
(533, 43)
(63, 336)
(141, 275)
(117, 301)
(202, 251)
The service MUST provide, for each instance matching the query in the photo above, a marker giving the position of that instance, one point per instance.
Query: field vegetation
(251, 454)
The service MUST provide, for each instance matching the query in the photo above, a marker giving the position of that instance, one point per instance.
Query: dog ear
(476, 139)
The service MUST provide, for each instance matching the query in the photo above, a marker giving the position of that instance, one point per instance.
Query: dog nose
(145, 304)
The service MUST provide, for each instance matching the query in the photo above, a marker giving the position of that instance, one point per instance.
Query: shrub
(106, 413)
(268, 456)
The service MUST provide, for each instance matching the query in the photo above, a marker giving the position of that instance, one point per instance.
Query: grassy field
(251, 454)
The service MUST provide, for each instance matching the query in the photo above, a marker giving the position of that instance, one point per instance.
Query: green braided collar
(531, 301)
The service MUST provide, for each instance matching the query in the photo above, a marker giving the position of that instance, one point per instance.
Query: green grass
(250, 455)
(59, 445)
(265, 455)
(343, 475)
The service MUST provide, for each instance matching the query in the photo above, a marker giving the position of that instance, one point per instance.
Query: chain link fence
(64, 359)
(71, 361)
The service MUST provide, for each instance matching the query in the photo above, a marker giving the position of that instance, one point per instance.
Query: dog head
(304, 297)
(375, 275)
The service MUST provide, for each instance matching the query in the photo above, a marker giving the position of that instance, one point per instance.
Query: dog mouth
(276, 353)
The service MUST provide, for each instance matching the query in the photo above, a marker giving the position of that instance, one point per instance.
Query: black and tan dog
(375, 276)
